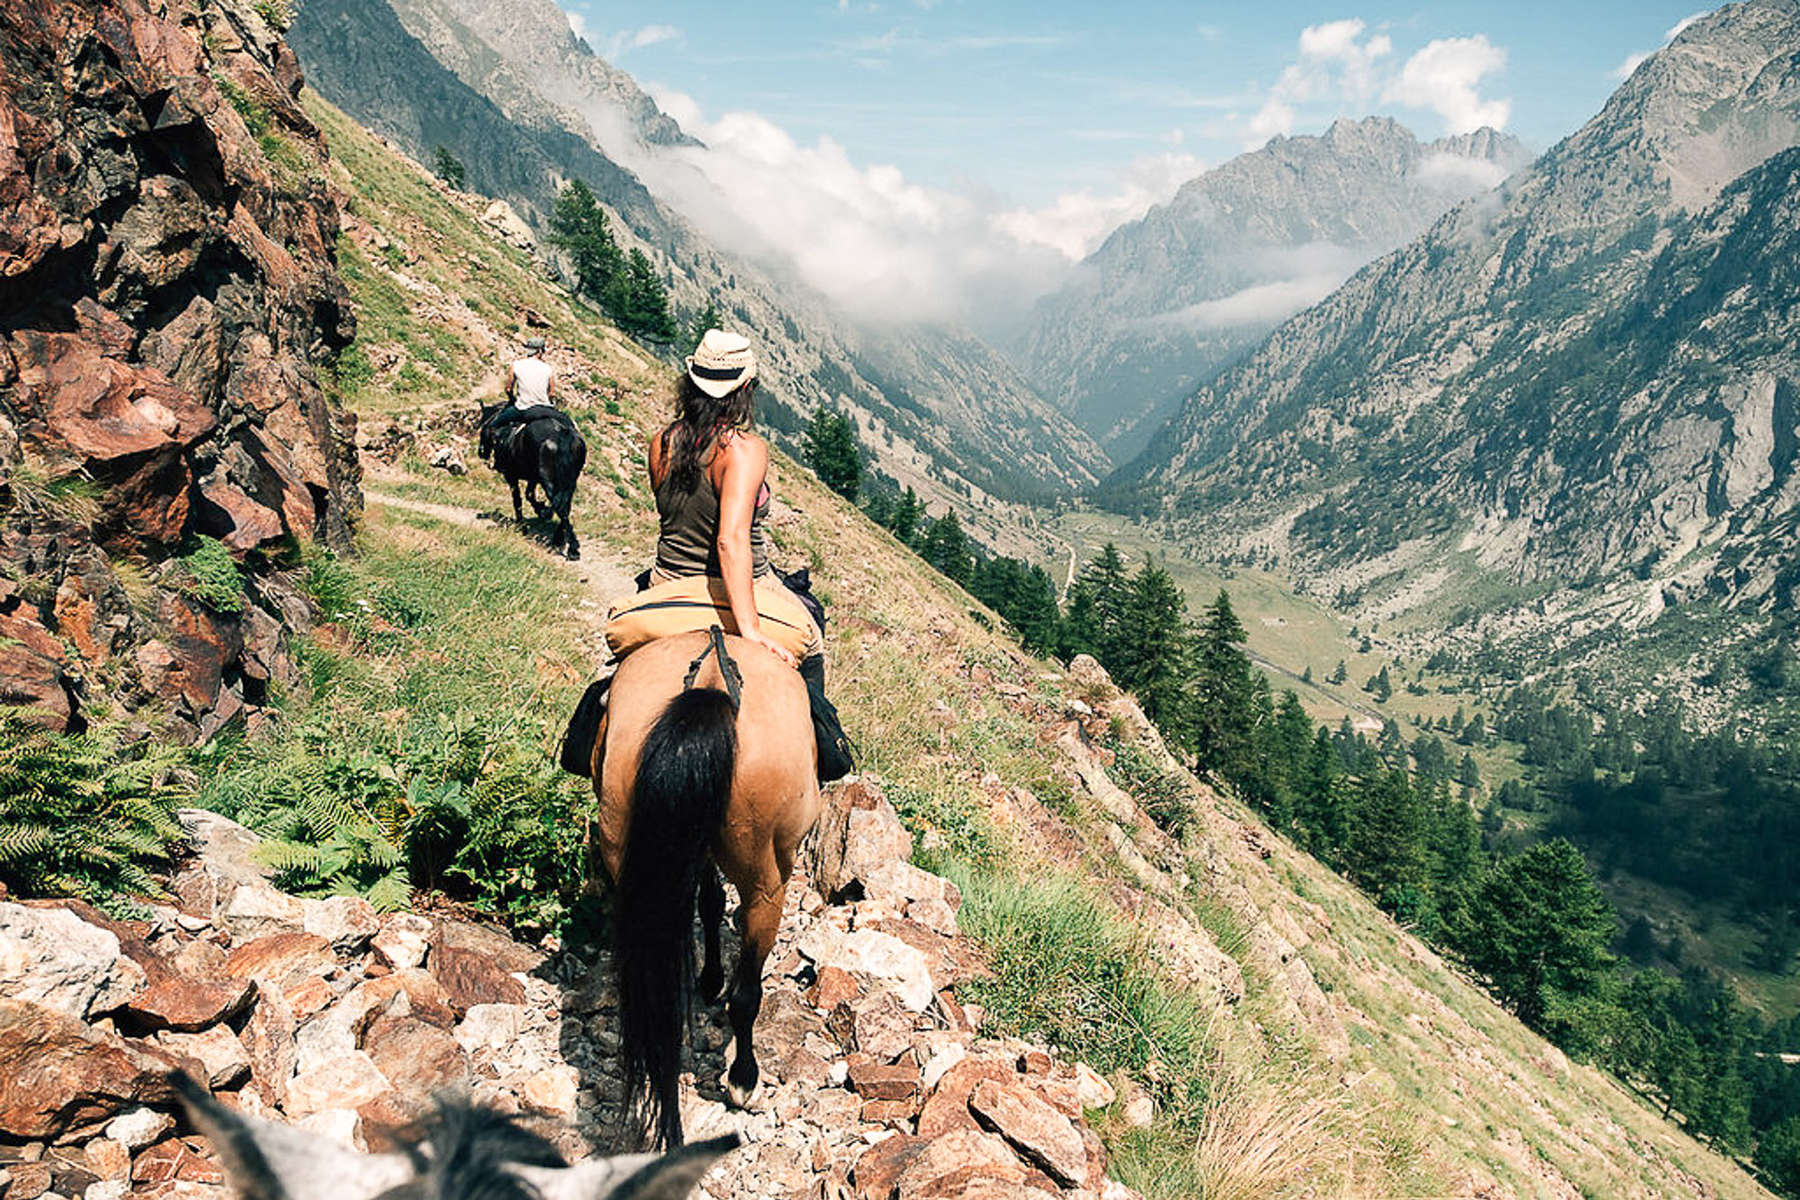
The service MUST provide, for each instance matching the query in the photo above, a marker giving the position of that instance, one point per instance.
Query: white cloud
(1679, 27)
(883, 247)
(1076, 223)
(1335, 60)
(577, 23)
(1340, 65)
(1455, 173)
(637, 39)
(1634, 61)
(1445, 76)
(1261, 304)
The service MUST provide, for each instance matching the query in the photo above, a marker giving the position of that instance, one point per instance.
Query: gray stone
(52, 957)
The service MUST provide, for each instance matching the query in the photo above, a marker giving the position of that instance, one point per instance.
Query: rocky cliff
(1586, 376)
(526, 106)
(167, 291)
(1171, 298)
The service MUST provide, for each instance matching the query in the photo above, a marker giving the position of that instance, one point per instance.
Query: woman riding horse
(713, 746)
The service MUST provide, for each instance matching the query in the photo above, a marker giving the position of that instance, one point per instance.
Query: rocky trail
(344, 1021)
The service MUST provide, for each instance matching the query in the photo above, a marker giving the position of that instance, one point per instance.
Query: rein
(734, 681)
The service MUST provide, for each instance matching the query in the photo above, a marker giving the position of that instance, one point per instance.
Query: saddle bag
(577, 753)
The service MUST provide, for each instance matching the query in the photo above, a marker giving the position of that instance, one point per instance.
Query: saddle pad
(698, 602)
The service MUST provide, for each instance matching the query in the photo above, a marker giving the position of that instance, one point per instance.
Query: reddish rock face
(167, 296)
(57, 1076)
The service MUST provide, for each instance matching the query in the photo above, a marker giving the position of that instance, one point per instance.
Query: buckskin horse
(546, 451)
(707, 764)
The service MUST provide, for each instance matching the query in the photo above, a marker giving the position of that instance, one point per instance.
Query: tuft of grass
(32, 489)
(1067, 971)
(1258, 1142)
(1164, 795)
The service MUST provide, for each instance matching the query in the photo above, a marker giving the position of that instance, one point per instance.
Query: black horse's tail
(677, 806)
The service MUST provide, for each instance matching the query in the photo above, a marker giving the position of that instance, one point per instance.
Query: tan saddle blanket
(698, 602)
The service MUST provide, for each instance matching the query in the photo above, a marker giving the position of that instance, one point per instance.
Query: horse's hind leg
(712, 915)
(518, 513)
(761, 918)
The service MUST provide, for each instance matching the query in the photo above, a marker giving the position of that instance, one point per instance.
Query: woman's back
(687, 543)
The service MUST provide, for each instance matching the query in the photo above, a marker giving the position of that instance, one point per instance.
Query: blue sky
(1036, 99)
(934, 154)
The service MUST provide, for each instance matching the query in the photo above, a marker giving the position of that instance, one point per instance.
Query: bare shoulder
(743, 446)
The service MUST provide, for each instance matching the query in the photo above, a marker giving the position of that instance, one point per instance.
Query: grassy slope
(1439, 1092)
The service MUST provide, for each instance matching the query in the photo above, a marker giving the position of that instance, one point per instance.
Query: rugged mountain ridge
(514, 94)
(1587, 373)
(1169, 299)
(167, 293)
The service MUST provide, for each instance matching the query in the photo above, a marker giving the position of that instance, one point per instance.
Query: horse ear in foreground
(466, 1153)
(707, 764)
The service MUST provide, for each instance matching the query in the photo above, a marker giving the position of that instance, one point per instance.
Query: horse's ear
(633, 1177)
(265, 1161)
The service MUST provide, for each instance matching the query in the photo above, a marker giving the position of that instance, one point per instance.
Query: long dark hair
(700, 420)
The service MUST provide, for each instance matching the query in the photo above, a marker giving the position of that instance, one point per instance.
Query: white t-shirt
(532, 376)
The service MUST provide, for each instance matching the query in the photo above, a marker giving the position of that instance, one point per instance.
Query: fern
(81, 816)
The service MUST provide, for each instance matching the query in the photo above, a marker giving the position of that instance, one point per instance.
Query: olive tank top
(688, 542)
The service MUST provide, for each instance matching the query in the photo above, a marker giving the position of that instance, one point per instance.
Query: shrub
(78, 817)
(213, 577)
(1159, 792)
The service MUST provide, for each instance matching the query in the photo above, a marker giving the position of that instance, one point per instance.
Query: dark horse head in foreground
(545, 452)
(707, 764)
(463, 1153)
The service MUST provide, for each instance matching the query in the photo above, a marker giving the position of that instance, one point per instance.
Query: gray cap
(534, 344)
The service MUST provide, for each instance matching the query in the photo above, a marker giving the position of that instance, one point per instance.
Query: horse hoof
(740, 1098)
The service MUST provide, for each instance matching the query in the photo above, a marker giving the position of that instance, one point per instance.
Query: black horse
(544, 450)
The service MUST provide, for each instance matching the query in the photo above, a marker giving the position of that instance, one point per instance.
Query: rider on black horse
(530, 392)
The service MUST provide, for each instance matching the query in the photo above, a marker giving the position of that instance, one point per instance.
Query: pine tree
(578, 225)
(1468, 777)
(707, 318)
(1539, 930)
(907, 512)
(449, 168)
(1339, 673)
(832, 453)
(1150, 646)
(1104, 577)
(1221, 712)
(946, 547)
(1386, 852)
(636, 300)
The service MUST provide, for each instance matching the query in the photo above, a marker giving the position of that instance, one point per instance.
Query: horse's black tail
(677, 807)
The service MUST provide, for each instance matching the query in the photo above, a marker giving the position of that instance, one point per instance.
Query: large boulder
(50, 956)
(59, 1077)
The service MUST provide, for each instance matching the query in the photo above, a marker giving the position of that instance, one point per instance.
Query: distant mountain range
(1590, 373)
(1170, 299)
(525, 105)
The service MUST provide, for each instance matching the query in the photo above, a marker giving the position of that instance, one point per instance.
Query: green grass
(420, 753)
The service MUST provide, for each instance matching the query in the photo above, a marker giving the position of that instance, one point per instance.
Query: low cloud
(1454, 173)
(1294, 278)
(1076, 223)
(1261, 304)
(884, 248)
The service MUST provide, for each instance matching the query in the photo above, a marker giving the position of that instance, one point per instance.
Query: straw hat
(721, 362)
(534, 344)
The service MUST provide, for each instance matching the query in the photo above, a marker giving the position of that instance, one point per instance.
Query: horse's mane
(464, 1153)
